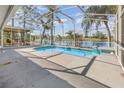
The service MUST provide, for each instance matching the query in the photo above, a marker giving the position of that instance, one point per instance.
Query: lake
(82, 43)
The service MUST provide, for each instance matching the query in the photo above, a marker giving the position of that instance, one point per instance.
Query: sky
(72, 11)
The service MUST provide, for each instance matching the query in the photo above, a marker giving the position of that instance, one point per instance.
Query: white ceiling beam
(101, 14)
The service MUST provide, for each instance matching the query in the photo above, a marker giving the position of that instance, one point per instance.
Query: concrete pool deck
(17, 71)
(101, 71)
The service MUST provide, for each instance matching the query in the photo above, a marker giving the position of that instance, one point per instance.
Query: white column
(54, 36)
(2, 39)
(11, 37)
(63, 33)
(74, 33)
(121, 36)
(30, 37)
(116, 34)
(18, 38)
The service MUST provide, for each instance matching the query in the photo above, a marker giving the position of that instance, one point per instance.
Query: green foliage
(8, 41)
(59, 37)
(71, 35)
(99, 34)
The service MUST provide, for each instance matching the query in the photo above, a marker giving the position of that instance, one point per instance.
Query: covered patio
(25, 67)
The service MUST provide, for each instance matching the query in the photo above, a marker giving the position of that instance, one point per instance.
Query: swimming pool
(72, 51)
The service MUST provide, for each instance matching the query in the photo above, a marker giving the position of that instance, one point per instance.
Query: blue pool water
(72, 51)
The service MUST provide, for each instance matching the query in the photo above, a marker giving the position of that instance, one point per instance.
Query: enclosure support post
(74, 34)
(2, 38)
(18, 37)
(11, 36)
(54, 35)
(52, 26)
(63, 33)
(30, 37)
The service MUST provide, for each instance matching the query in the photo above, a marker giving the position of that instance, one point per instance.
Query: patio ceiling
(6, 11)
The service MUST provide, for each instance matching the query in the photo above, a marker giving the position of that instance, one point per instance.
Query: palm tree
(88, 21)
(70, 34)
(46, 26)
(40, 19)
(52, 9)
(62, 25)
(59, 37)
(44, 20)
